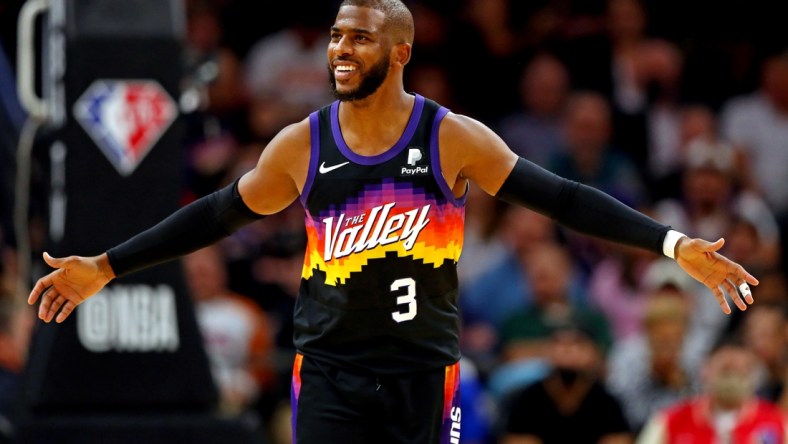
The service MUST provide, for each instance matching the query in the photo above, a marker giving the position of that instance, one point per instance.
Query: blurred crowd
(678, 109)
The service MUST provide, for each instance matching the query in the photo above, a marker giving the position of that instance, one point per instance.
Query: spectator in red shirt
(727, 412)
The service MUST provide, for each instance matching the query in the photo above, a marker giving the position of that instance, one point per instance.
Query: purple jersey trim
(435, 158)
(295, 393)
(314, 154)
(389, 154)
(452, 415)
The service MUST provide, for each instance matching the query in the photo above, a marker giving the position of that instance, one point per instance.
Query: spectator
(615, 288)
(16, 325)
(555, 294)
(483, 245)
(758, 124)
(772, 291)
(727, 411)
(571, 404)
(627, 21)
(286, 71)
(588, 157)
(236, 332)
(276, 273)
(744, 241)
(524, 333)
(707, 323)
(279, 235)
(614, 65)
(696, 122)
(444, 38)
(8, 267)
(503, 287)
(773, 287)
(663, 65)
(765, 331)
(534, 131)
(432, 60)
(432, 80)
(659, 367)
(214, 100)
(478, 408)
(550, 24)
(711, 201)
(12, 117)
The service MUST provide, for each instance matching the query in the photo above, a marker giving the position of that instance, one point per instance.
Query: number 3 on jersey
(409, 298)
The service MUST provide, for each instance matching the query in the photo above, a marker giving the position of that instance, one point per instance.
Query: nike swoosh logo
(324, 169)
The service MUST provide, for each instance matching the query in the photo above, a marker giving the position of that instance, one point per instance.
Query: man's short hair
(398, 20)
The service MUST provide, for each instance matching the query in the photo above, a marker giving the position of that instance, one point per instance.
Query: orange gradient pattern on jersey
(385, 218)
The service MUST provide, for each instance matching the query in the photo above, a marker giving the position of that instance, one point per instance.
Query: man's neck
(384, 100)
(372, 125)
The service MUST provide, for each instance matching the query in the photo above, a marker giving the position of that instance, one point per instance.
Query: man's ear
(402, 53)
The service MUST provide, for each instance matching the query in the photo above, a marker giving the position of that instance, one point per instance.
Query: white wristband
(669, 243)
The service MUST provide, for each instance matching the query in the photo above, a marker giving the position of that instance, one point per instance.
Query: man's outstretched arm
(197, 225)
(581, 208)
(188, 229)
(268, 188)
(592, 212)
(480, 155)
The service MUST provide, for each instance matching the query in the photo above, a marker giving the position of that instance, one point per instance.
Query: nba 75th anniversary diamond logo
(125, 118)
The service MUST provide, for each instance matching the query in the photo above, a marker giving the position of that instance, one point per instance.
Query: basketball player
(382, 175)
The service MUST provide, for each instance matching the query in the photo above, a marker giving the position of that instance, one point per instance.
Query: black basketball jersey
(385, 232)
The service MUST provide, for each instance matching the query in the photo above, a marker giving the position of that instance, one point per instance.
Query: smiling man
(382, 175)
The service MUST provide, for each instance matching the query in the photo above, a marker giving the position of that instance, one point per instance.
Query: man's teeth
(346, 68)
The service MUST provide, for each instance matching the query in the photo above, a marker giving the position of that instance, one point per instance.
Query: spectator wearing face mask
(571, 403)
(727, 412)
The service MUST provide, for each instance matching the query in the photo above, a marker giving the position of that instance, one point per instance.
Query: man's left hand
(700, 259)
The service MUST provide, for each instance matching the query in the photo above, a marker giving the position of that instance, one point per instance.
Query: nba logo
(125, 118)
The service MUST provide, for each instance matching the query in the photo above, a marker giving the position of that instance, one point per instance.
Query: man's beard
(369, 83)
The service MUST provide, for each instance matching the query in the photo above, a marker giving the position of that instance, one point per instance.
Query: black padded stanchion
(129, 364)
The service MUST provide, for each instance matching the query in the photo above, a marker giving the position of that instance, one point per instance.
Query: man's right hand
(75, 279)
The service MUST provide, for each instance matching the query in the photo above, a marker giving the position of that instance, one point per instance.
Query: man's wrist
(671, 243)
(105, 267)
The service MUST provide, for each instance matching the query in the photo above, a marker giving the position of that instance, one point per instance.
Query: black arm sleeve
(580, 207)
(192, 227)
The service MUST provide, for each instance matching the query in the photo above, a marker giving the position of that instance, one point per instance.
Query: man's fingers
(709, 247)
(52, 302)
(741, 277)
(55, 307)
(51, 261)
(745, 291)
(740, 274)
(56, 262)
(750, 278)
(46, 302)
(67, 309)
(40, 287)
(721, 300)
(734, 294)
